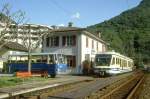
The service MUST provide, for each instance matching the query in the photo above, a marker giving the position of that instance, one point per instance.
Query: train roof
(34, 54)
(117, 54)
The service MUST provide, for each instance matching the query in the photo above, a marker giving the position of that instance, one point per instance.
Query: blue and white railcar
(112, 63)
(52, 63)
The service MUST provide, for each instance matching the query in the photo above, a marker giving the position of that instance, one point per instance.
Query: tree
(31, 38)
(8, 21)
(129, 32)
(15, 29)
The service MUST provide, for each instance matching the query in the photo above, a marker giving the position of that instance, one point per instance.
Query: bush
(5, 67)
(87, 67)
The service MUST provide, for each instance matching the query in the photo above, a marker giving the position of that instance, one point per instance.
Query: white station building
(75, 43)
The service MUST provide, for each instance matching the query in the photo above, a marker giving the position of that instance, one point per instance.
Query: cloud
(61, 25)
(76, 16)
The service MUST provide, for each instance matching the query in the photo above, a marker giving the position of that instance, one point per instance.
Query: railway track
(126, 89)
(134, 94)
(116, 87)
(110, 88)
(81, 90)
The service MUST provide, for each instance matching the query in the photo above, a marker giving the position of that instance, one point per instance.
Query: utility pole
(29, 49)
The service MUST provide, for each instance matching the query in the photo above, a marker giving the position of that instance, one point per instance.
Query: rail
(121, 91)
(136, 90)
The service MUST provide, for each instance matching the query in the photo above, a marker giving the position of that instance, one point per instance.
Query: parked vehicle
(112, 63)
(49, 63)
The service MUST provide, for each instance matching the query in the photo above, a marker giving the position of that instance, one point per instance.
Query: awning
(14, 46)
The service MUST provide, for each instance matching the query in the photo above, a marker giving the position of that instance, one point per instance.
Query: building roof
(83, 30)
(64, 29)
(33, 54)
(95, 37)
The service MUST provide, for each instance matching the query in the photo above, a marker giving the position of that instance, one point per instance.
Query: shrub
(86, 67)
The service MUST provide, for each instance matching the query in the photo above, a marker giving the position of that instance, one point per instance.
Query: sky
(59, 12)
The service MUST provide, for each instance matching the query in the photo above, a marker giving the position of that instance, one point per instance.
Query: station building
(76, 44)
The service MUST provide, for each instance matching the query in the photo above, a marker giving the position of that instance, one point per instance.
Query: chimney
(99, 34)
(70, 24)
(54, 27)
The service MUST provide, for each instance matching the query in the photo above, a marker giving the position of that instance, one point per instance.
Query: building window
(97, 46)
(73, 40)
(52, 41)
(87, 57)
(92, 44)
(69, 40)
(47, 42)
(103, 48)
(87, 42)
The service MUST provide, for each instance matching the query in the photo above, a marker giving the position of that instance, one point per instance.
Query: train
(49, 63)
(112, 63)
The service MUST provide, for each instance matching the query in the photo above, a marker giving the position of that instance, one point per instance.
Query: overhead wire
(66, 11)
(127, 2)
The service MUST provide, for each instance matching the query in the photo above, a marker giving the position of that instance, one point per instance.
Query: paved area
(34, 86)
(5, 74)
(86, 89)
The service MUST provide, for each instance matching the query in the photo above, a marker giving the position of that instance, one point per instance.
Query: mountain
(128, 33)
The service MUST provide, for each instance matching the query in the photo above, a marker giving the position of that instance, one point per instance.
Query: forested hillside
(128, 33)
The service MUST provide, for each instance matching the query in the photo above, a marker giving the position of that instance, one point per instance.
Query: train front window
(102, 60)
(60, 58)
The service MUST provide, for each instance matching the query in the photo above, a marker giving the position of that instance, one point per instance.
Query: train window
(128, 63)
(113, 61)
(125, 63)
(120, 62)
(131, 63)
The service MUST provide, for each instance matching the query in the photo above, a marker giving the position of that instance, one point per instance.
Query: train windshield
(61, 58)
(102, 60)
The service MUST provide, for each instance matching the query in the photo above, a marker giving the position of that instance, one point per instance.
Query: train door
(62, 65)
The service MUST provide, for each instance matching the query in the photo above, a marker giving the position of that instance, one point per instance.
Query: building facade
(76, 44)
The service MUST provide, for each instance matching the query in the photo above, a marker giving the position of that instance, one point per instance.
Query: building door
(71, 61)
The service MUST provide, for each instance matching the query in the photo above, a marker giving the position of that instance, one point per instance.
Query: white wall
(1, 65)
(89, 49)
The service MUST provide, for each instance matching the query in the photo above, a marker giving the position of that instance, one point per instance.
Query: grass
(13, 81)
